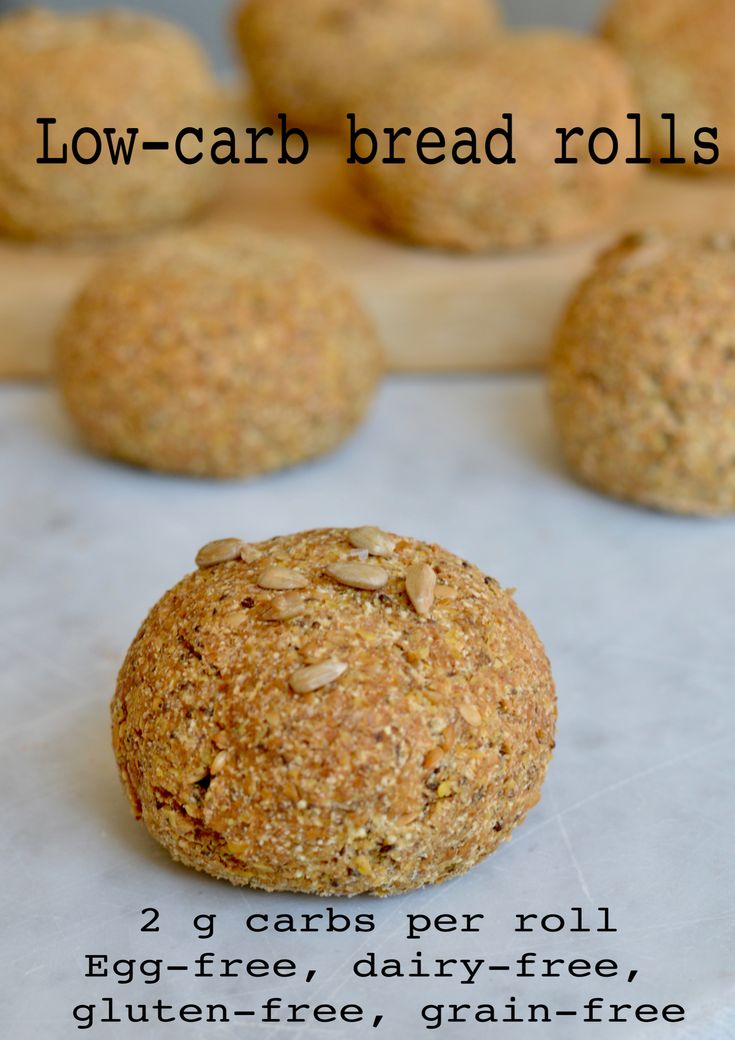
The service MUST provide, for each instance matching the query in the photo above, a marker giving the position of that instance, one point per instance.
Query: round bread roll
(643, 374)
(545, 80)
(681, 53)
(334, 712)
(101, 70)
(216, 353)
(313, 67)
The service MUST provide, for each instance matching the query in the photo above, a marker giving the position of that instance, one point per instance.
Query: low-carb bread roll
(642, 374)
(313, 59)
(334, 712)
(216, 352)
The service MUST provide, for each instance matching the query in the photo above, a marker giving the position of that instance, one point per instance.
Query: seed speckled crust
(419, 760)
(106, 69)
(314, 66)
(643, 375)
(216, 353)
(681, 54)
(545, 80)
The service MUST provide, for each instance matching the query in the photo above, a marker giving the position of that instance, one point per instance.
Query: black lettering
(701, 143)
(76, 142)
(224, 149)
(117, 145)
(464, 152)
(189, 131)
(612, 154)
(672, 159)
(47, 159)
(151, 926)
(287, 134)
(424, 143)
(639, 158)
(504, 134)
(357, 135)
(563, 160)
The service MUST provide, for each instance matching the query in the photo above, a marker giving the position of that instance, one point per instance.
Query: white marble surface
(636, 610)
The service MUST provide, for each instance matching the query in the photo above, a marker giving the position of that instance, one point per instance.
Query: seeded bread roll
(545, 80)
(643, 374)
(216, 353)
(681, 53)
(314, 66)
(104, 70)
(334, 712)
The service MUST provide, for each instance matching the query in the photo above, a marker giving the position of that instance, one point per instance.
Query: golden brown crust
(410, 767)
(216, 353)
(643, 374)
(681, 54)
(478, 206)
(313, 67)
(109, 69)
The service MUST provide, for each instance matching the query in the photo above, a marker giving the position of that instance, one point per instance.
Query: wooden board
(436, 311)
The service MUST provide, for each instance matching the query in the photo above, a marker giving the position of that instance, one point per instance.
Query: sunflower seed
(433, 758)
(314, 676)
(444, 592)
(218, 763)
(470, 714)
(236, 618)
(448, 737)
(221, 551)
(281, 578)
(283, 608)
(373, 540)
(358, 575)
(420, 586)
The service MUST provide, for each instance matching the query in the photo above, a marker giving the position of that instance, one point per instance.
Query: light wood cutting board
(436, 311)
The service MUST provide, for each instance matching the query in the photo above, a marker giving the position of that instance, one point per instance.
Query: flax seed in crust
(544, 80)
(111, 69)
(681, 54)
(312, 67)
(216, 353)
(358, 746)
(643, 374)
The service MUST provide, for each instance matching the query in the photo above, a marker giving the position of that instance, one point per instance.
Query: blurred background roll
(211, 20)
(681, 55)
(111, 69)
